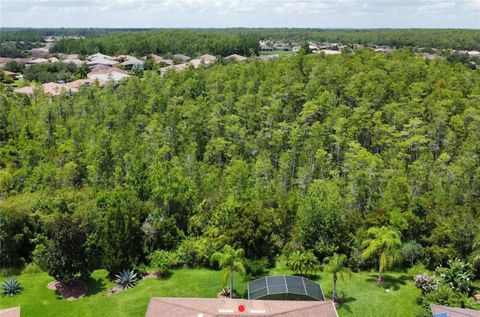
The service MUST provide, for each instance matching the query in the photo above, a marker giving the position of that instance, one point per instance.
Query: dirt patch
(115, 290)
(69, 291)
(151, 275)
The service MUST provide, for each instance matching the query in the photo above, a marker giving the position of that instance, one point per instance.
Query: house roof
(53, 89)
(99, 55)
(102, 61)
(10, 312)
(114, 74)
(132, 61)
(9, 73)
(76, 61)
(75, 85)
(236, 57)
(24, 90)
(159, 59)
(213, 307)
(38, 61)
(182, 57)
(208, 58)
(443, 311)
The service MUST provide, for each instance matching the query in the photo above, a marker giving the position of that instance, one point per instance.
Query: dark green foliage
(119, 233)
(191, 42)
(10, 287)
(459, 276)
(126, 278)
(303, 262)
(304, 152)
(15, 67)
(51, 72)
(66, 254)
(162, 261)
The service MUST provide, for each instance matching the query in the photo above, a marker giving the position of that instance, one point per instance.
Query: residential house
(102, 61)
(329, 52)
(159, 59)
(38, 61)
(108, 74)
(235, 58)
(132, 62)
(24, 90)
(208, 59)
(7, 73)
(181, 57)
(213, 307)
(443, 311)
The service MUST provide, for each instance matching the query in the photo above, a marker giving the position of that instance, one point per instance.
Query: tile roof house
(10, 74)
(236, 58)
(10, 312)
(38, 61)
(24, 90)
(108, 74)
(208, 59)
(213, 307)
(131, 62)
(53, 89)
(102, 61)
(183, 58)
(159, 59)
(442, 311)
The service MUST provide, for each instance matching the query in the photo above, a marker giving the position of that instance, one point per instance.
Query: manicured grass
(363, 297)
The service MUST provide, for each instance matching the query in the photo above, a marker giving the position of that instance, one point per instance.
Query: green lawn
(363, 296)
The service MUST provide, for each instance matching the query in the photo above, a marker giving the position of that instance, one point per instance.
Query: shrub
(426, 283)
(32, 268)
(163, 261)
(411, 252)
(459, 276)
(256, 268)
(11, 287)
(302, 262)
(195, 252)
(126, 278)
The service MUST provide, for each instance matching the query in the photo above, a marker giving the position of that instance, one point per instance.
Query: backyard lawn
(363, 297)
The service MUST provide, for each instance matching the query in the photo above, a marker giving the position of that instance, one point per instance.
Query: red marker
(241, 308)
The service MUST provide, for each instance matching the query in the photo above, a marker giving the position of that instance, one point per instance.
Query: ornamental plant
(426, 283)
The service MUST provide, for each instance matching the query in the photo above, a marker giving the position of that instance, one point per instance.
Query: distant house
(12, 75)
(74, 86)
(213, 307)
(53, 89)
(24, 90)
(266, 48)
(108, 74)
(208, 59)
(443, 311)
(235, 58)
(131, 62)
(75, 61)
(98, 55)
(159, 59)
(102, 61)
(181, 57)
(39, 52)
(475, 54)
(38, 61)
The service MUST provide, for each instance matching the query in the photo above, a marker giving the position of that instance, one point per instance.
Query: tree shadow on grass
(390, 282)
(345, 302)
(95, 286)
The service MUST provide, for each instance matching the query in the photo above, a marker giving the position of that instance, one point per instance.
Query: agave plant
(126, 278)
(11, 287)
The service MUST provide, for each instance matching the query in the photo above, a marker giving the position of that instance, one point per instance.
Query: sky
(241, 13)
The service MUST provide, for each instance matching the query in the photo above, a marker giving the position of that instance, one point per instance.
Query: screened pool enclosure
(285, 287)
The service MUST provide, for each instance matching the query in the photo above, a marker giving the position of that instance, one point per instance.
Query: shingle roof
(212, 307)
(454, 312)
(10, 312)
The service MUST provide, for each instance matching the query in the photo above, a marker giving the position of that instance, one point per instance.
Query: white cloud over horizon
(241, 13)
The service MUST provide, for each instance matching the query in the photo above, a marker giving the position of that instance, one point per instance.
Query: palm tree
(229, 260)
(336, 265)
(383, 242)
(475, 256)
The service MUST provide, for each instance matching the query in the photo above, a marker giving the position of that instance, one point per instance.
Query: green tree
(384, 244)
(302, 262)
(230, 260)
(67, 256)
(336, 265)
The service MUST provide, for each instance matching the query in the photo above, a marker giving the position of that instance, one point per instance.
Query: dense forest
(37, 34)
(307, 152)
(425, 38)
(160, 42)
(242, 41)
